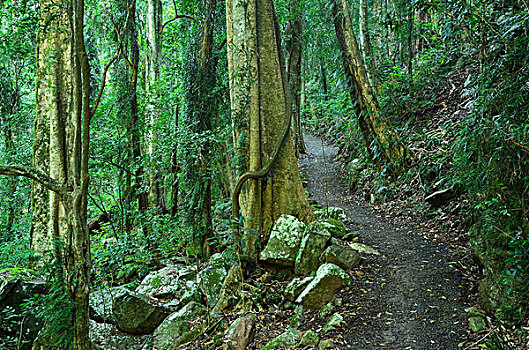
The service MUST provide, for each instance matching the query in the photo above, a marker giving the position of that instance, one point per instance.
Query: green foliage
(54, 309)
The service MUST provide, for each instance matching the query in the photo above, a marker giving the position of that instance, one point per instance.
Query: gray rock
(16, 289)
(169, 282)
(341, 255)
(229, 294)
(329, 280)
(333, 322)
(137, 314)
(210, 281)
(296, 286)
(289, 339)
(241, 332)
(107, 336)
(102, 304)
(311, 247)
(334, 213)
(283, 245)
(364, 249)
(176, 325)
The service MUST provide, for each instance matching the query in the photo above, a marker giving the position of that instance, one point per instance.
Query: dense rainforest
(264, 174)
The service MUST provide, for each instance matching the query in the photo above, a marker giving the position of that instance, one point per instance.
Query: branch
(112, 60)
(175, 18)
(34, 174)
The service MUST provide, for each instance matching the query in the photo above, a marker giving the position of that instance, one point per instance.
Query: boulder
(229, 293)
(210, 281)
(296, 286)
(289, 339)
(106, 336)
(170, 282)
(329, 280)
(341, 255)
(283, 244)
(311, 247)
(176, 325)
(137, 314)
(102, 304)
(16, 287)
(241, 332)
(333, 213)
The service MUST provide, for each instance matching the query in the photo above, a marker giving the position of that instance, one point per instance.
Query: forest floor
(411, 296)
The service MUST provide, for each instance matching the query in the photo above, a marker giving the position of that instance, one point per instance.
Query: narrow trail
(409, 297)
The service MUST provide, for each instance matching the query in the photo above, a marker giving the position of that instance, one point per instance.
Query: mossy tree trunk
(261, 108)
(383, 144)
(61, 152)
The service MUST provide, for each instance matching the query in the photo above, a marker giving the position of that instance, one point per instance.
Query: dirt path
(410, 297)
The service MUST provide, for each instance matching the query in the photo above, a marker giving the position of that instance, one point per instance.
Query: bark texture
(383, 144)
(261, 105)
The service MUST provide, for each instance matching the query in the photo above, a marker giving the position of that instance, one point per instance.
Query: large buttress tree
(269, 183)
(383, 144)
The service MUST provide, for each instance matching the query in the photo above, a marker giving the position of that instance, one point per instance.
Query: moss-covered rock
(287, 340)
(309, 338)
(102, 304)
(137, 314)
(335, 213)
(333, 322)
(283, 245)
(341, 255)
(311, 247)
(296, 286)
(328, 281)
(176, 325)
(241, 332)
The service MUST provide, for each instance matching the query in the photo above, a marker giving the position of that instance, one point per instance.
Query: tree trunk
(383, 144)
(261, 109)
(154, 26)
(53, 93)
(365, 40)
(294, 56)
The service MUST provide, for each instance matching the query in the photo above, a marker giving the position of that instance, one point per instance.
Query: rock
(329, 279)
(167, 282)
(296, 286)
(107, 336)
(333, 322)
(176, 325)
(102, 304)
(364, 249)
(137, 314)
(334, 213)
(311, 247)
(326, 344)
(439, 198)
(309, 338)
(282, 247)
(211, 280)
(341, 255)
(289, 339)
(229, 293)
(476, 324)
(241, 332)
(16, 287)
